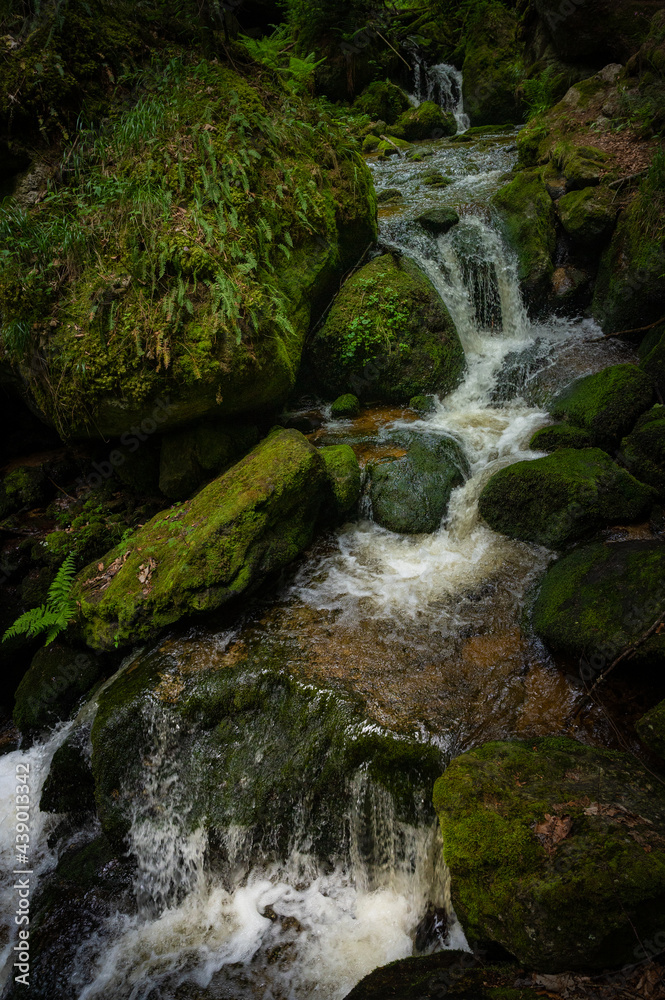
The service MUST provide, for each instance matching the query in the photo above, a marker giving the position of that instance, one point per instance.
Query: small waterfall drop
(442, 84)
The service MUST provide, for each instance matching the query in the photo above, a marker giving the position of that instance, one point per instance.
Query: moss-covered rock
(422, 404)
(630, 292)
(560, 436)
(438, 220)
(388, 336)
(55, 681)
(248, 523)
(347, 405)
(344, 477)
(69, 786)
(651, 728)
(588, 216)
(427, 121)
(410, 495)
(579, 166)
(528, 220)
(189, 457)
(491, 55)
(563, 497)
(388, 194)
(434, 178)
(606, 404)
(25, 486)
(554, 850)
(240, 737)
(601, 599)
(384, 101)
(134, 309)
(643, 451)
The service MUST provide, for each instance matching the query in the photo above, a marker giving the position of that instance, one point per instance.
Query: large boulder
(382, 101)
(555, 851)
(198, 303)
(643, 450)
(588, 216)
(528, 220)
(563, 497)
(388, 336)
(606, 404)
(249, 745)
(427, 121)
(602, 599)
(410, 495)
(492, 49)
(246, 524)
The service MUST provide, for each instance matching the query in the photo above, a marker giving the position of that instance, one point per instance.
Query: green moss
(22, 487)
(606, 404)
(344, 477)
(560, 436)
(600, 599)
(651, 728)
(427, 121)
(576, 904)
(528, 220)
(559, 499)
(250, 522)
(388, 336)
(422, 404)
(345, 406)
(382, 101)
(588, 216)
(54, 682)
(492, 57)
(221, 724)
(643, 451)
(191, 457)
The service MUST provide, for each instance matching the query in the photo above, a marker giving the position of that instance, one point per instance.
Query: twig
(625, 180)
(398, 54)
(61, 489)
(626, 333)
(388, 139)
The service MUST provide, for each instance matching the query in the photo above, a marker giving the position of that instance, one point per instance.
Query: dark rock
(438, 220)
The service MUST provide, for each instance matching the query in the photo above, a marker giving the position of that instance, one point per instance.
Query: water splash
(443, 85)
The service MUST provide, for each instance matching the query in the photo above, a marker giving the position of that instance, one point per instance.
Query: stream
(426, 630)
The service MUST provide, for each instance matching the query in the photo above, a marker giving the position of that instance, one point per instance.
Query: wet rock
(588, 216)
(570, 287)
(643, 451)
(410, 495)
(427, 121)
(249, 522)
(555, 851)
(345, 406)
(606, 404)
(562, 498)
(388, 336)
(517, 370)
(560, 436)
(344, 477)
(528, 220)
(417, 978)
(651, 728)
(388, 194)
(238, 734)
(422, 404)
(190, 457)
(438, 220)
(434, 178)
(601, 599)
(69, 786)
(57, 678)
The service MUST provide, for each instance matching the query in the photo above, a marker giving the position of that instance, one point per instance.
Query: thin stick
(626, 333)
(398, 54)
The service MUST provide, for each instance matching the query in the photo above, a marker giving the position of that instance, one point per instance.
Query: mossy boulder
(588, 216)
(240, 735)
(643, 451)
(384, 101)
(344, 476)
(427, 121)
(434, 178)
(57, 678)
(438, 220)
(410, 495)
(579, 166)
(347, 405)
(527, 218)
(601, 599)
(25, 486)
(422, 404)
(492, 49)
(555, 851)
(606, 404)
(388, 336)
(248, 523)
(563, 497)
(154, 306)
(560, 436)
(630, 292)
(189, 457)
(651, 728)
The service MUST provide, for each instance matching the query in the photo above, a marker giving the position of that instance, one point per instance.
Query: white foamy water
(443, 85)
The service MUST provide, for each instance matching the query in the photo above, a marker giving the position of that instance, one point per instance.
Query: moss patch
(528, 220)
(643, 451)
(606, 404)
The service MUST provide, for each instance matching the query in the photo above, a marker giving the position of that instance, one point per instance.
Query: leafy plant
(274, 52)
(53, 616)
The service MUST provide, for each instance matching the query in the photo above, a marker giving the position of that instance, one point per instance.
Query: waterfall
(443, 85)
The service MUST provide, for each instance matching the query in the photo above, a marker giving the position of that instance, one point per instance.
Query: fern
(56, 614)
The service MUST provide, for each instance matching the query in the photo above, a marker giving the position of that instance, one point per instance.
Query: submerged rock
(562, 498)
(643, 450)
(600, 600)
(606, 404)
(410, 495)
(438, 220)
(388, 336)
(555, 851)
(248, 523)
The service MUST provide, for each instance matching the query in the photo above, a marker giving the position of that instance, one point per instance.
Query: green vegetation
(55, 615)
(606, 404)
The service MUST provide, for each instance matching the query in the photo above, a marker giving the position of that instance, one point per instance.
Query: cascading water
(443, 85)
